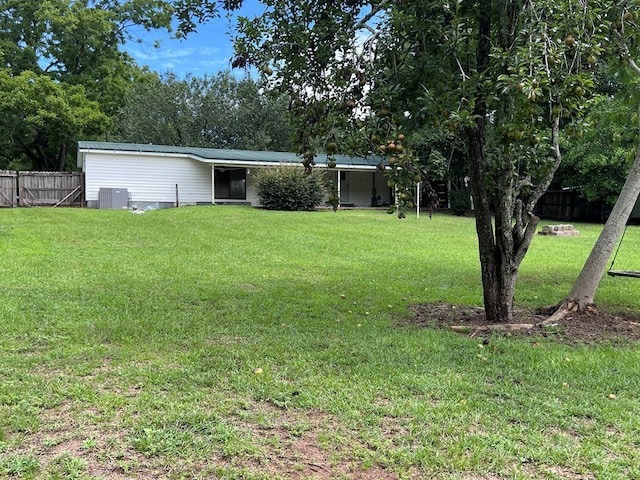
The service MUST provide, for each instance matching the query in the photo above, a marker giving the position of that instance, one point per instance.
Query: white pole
(213, 184)
(339, 186)
(418, 200)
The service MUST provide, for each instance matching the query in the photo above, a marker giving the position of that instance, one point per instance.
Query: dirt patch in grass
(590, 326)
(309, 444)
(285, 444)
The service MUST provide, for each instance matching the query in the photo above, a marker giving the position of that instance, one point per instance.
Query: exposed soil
(590, 326)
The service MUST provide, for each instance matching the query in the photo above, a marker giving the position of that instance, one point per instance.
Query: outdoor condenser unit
(113, 198)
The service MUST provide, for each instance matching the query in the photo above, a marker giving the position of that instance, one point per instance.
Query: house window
(231, 183)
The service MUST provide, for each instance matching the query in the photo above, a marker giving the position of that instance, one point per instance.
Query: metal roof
(221, 156)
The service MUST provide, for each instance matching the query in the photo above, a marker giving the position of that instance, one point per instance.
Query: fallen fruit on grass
(612, 396)
(257, 371)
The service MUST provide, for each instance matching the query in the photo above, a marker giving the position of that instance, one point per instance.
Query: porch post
(339, 187)
(213, 184)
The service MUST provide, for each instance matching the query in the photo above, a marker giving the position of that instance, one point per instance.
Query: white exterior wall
(252, 193)
(151, 178)
(148, 177)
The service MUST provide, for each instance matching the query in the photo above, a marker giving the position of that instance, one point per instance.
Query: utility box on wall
(113, 198)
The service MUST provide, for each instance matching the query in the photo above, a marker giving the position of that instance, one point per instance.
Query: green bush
(460, 201)
(289, 188)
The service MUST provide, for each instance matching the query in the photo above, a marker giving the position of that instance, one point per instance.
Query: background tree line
(64, 77)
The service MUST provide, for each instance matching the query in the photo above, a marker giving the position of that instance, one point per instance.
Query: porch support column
(213, 184)
(339, 187)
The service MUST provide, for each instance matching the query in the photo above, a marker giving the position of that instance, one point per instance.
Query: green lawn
(129, 344)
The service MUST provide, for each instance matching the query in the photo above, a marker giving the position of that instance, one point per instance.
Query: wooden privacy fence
(41, 189)
(8, 188)
(567, 205)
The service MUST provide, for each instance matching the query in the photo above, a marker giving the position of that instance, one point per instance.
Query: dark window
(231, 183)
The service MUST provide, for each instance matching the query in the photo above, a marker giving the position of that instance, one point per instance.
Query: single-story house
(124, 175)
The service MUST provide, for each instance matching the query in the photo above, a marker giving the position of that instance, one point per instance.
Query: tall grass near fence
(129, 345)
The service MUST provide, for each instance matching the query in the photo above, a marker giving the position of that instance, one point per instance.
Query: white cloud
(161, 54)
(209, 51)
(214, 62)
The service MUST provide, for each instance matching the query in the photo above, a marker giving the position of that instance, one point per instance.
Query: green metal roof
(233, 157)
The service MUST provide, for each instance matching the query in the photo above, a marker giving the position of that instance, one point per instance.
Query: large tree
(74, 44)
(216, 112)
(505, 76)
(41, 118)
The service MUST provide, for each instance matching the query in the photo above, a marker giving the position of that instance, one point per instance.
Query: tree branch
(543, 185)
(375, 9)
(625, 50)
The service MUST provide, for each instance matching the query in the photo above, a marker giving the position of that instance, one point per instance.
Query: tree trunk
(498, 302)
(484, 224)
(62, 156)
(585, 287)
(499, 245)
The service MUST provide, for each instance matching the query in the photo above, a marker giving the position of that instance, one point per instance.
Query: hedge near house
(290, 188)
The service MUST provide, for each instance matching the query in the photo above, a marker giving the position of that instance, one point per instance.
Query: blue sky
(205, 52)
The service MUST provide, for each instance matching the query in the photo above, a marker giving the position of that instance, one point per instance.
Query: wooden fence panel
(8, 188)
(567, 205)
(51, 189)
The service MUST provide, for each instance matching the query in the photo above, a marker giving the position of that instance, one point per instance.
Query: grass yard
(129, 346)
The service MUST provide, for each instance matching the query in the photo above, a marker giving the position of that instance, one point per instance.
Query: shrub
(289, 188)
(460, 201)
